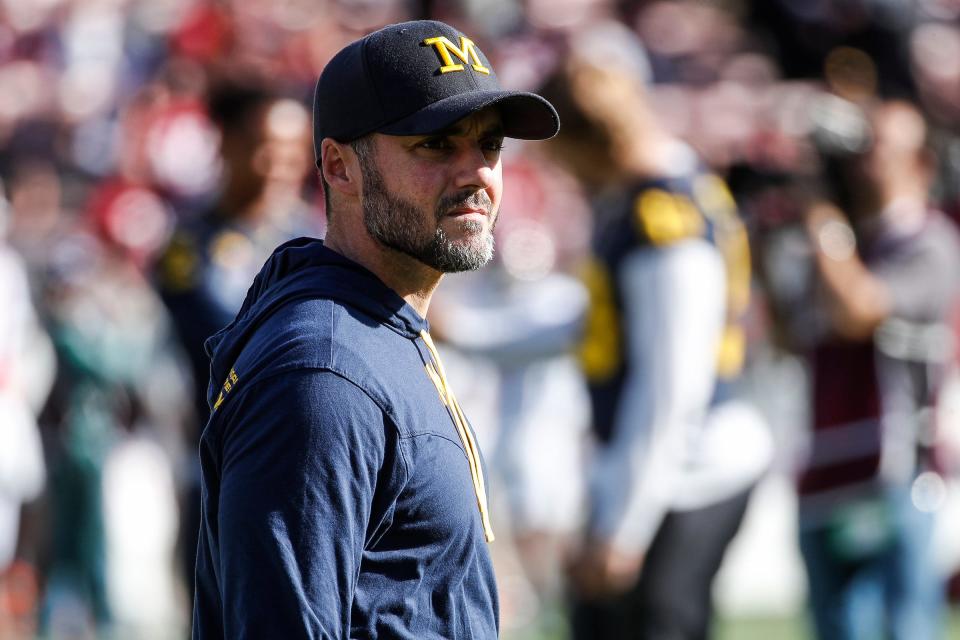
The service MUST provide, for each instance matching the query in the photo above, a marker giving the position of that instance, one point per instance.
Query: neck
(412, 280)
(905, 193)
(891, 208)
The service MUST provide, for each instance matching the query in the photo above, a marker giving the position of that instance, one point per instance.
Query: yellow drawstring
(439, 378)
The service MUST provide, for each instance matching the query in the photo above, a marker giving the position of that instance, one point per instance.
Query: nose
(476, 168)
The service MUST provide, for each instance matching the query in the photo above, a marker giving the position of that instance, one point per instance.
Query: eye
(493, 144)
(439, 143)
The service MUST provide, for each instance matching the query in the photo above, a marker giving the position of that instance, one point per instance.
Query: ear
(340, 167)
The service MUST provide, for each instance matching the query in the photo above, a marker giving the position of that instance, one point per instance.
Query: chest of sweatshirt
(432, 495)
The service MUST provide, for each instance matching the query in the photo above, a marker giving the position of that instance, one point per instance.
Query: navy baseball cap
(416, 78)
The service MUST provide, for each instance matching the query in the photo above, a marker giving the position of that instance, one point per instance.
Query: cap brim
(526, 116)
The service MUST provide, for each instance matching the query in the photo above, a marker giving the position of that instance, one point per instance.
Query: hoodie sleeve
(305, 456)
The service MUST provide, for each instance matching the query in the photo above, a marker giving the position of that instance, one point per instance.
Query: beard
(397, 224)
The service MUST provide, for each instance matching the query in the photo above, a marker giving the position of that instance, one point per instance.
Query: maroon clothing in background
(869, 397)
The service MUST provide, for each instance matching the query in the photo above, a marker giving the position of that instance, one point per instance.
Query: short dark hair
(232, 105)
(363, 147)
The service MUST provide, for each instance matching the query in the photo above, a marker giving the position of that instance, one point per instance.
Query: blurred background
(153, 152)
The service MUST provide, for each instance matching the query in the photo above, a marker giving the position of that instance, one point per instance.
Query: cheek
(418, 183)
(495, 189)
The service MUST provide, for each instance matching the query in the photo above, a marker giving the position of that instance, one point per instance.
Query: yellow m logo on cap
(467, 52)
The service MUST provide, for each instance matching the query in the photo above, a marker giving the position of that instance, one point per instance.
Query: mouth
(468, 213)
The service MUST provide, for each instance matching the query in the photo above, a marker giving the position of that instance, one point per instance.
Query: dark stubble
(398, 224)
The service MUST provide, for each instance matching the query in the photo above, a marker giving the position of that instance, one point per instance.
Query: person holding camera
(886, 268)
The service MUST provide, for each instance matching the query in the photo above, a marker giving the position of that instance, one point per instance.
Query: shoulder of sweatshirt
(324, 334)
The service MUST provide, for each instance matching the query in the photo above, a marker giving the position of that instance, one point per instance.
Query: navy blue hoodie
(340, 479)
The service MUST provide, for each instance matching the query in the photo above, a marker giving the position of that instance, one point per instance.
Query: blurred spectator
(111, 335)
(814, 38)
(677, 453)
(211, 260)
(886, 274)
(26, 371)
(36, 211)
(204, 273)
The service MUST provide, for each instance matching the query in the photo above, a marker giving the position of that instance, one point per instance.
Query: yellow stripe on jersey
(732, 352)
(600, 349)
(666, 218)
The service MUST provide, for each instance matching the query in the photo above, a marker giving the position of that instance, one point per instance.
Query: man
(677, 453)
(343, 492)
(887, 280)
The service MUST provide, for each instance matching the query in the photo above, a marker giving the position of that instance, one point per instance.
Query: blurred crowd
(153, 152)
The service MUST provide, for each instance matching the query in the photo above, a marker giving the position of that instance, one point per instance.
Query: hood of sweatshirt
(305, 268)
